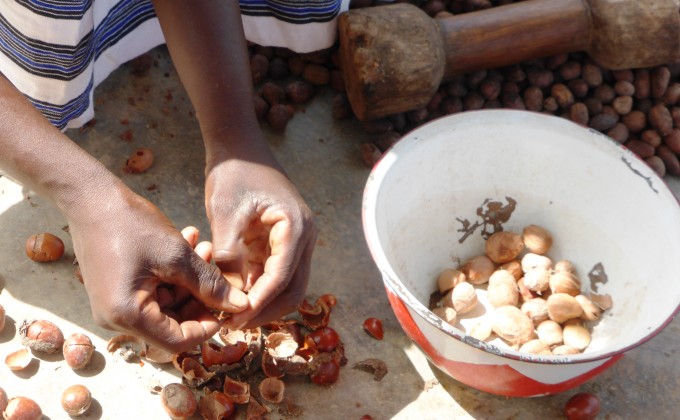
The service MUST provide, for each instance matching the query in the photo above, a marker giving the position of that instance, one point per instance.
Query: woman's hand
(143, 277)
(262, 232)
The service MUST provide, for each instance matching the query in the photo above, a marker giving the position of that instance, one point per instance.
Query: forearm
(40, 157)
(206, 41)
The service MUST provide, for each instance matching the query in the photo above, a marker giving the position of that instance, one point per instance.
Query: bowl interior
(429, 200)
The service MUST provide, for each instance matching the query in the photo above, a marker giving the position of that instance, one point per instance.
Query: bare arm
(208, 48)
(126, 247)
(261, 227)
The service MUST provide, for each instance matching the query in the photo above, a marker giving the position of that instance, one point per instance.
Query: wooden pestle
(394, 58)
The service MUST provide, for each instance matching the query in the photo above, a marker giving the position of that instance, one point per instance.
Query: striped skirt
(57, 51)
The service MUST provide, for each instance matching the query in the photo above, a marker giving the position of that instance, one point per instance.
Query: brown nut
(462, 298)
(446, 313)
(565, 265)
(449, 278)
(565, 282)
(510, 324)
(278, 116)
(514, 267)
(591, 312)
(481, 331)
(76, 400)
(537, 279)
(42, 336)
(78, 350)
(537, 239)
(502, 247)
(502, 289)
(575, 335)
(535, 346)
(564, 350)
(316, 74)
(550, 332)
(44, 247)
(536, 309)
(531, 260)
(478, 269)
(139, 161)
(22, 408)
(178, 401)
(562, 307)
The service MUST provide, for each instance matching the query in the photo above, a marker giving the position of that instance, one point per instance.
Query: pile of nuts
(536, 306)
(639, 108)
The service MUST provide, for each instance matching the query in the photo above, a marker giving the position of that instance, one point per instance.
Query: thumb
(206, 283)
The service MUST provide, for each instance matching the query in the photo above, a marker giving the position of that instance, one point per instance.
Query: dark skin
(141, 274)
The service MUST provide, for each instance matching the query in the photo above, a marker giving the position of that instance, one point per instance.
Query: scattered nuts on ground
(78, 350)
(139, 161)
(76, 400)
(41, 336)
(44, 247)
(582, 406)
(22, 408)
(374, 327)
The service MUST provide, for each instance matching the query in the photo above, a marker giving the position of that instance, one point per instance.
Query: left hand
(263, 231)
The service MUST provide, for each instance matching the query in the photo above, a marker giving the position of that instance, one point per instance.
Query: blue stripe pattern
(63, 62)
(58, 9)
(60, 115)
(292, 11)
(66, 62)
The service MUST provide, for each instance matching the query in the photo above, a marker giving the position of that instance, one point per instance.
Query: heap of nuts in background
(537, 306)
(638, 108)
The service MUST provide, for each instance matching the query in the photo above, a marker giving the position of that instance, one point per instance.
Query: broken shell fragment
(18, 360)
(212, 354)
(375, 366)
(194, 373)
(158, 355)
(280, 345)
(315, 316)
(215, 406)
(272, 390)
(238, 391)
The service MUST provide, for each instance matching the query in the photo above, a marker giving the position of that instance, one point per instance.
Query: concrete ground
(322, 157)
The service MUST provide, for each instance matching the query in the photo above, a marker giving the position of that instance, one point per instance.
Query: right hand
(130, 256)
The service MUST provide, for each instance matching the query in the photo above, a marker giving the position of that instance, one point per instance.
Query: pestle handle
(513, 33)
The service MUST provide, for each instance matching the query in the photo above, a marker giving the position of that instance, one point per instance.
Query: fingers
(160, 330)
(204, 250)
(191, 233)
(206, 283)
(271, 297)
